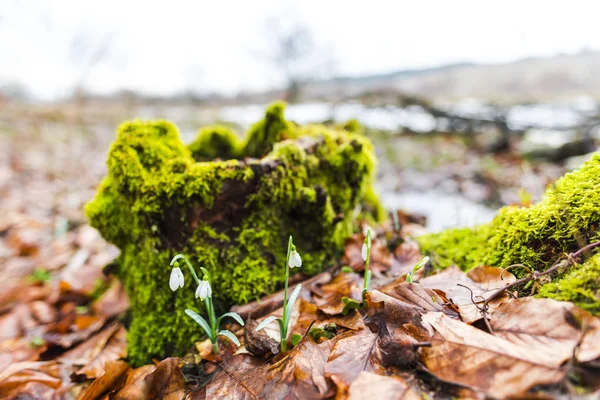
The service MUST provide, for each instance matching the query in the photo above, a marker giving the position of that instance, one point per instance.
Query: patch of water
(443, 210)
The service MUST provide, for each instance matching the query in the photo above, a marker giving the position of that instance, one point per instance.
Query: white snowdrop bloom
(364, 252)
(176, 279)
(295, 260)
(203, 290)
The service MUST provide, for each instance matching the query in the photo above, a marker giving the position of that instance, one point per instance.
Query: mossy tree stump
(231, 215)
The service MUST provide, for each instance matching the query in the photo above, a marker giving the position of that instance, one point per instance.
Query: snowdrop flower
(295, 260)
(203, 290)
(176, 279)
(366, 245)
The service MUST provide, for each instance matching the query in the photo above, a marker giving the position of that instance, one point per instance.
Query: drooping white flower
(203, 290)
(364, 252)
(176, 279)
(295, 260)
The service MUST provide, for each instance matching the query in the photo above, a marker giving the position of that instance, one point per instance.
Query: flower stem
(283, 343)
(192, 271)
(366, 277)
(215, 347)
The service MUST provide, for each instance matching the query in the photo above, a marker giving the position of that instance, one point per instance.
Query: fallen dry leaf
(352, 353)
(297, 375)
(113, 302)
(300, 374)
(406, 256)
(421, 299)
(16, 350)
(381, 259)
(86, 352)
(370, 386)
(111, 373)
(548, 326)
(37, 380)
(135, 386)
(478, 285)
(115, 349)
(491, 278)
(465, 355)
(240, 377)
(270, 303)
(166, 382)
(343, 285)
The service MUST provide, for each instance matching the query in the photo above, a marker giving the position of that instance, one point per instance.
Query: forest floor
(63, 321)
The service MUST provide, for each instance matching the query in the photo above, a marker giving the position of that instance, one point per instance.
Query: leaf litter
(63, 324)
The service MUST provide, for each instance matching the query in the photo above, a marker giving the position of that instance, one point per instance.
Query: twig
(507, 269)
(536, 274)
(482, 309)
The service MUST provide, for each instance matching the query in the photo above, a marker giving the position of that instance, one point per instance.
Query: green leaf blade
(266, 322)
(229, 336)
(233, 315)
(290, 304)
(201, 321)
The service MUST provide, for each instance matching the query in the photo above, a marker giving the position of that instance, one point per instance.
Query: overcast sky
(168, 46)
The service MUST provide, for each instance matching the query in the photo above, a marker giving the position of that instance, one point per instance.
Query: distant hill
(532, 79)
(405, 73)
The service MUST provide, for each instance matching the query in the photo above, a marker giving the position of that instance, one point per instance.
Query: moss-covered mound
(231, 216)
(566, 219)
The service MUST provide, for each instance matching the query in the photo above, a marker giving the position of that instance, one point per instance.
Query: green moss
(580, 286)
(231, 217)
(565, 220)
(216, 141)
(265, 133)
(353, 126)
(459, 246)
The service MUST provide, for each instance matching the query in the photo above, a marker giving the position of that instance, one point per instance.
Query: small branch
(584, 249)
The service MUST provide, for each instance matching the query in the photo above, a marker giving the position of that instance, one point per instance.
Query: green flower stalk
(351, 304)
(366, 255)
(204, 293)
(292, 260)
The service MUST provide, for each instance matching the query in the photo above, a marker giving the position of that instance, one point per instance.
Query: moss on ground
(566, 219)
(580, 286)
(231, 216)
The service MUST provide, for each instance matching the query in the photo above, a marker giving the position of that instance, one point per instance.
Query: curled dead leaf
(259, 343)
(112, 372)
(463, 354)
(166, 381)
(135, 385)
(343, 285)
